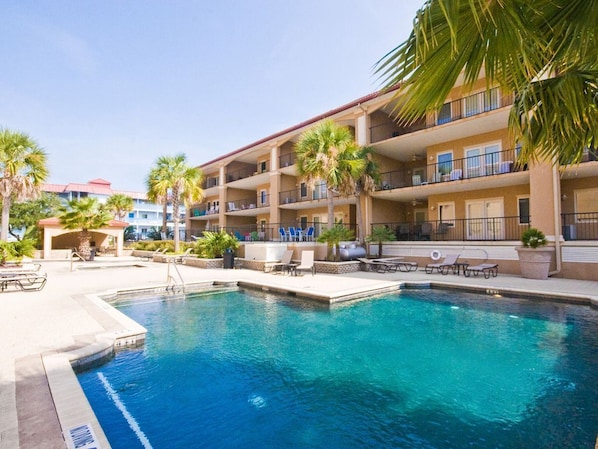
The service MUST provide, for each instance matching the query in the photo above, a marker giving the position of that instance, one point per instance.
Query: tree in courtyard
(85, 214)
(543, 51)
(328, 153)
(333, 236)
(381, 234)
(120, 205)
(23, 169)
(364, 182)
(26, 215)
(157, 189)
(173, 177)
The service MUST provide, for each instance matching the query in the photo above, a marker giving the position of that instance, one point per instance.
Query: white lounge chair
(442, 267)
(284, 263)
(307, 262)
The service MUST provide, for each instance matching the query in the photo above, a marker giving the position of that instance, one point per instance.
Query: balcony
(243, 206)
(452, 111)
(490, 164)
(580, 226)
(470, 229)
(304, 194)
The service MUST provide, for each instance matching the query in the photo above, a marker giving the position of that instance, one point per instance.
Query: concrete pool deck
(42, 332)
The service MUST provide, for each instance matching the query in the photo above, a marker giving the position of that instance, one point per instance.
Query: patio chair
(284, 237)
(442, 267)
(487, 269)
(425, 231)
(292, 234)
(307, 262)
(309, 234)
(285, 262)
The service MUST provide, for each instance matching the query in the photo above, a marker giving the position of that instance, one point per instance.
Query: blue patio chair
(309, 234)
(292, 234)
(283, 235)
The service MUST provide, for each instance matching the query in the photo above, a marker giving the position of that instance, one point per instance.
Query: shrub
(533, 238)
(214, 244)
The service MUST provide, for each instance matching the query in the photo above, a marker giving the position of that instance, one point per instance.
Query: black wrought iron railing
(304, 193)
(470, 229)
(489, 164)
(580, 226)
(452, 111)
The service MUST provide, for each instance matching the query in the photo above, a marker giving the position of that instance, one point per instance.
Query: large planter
(535, 262)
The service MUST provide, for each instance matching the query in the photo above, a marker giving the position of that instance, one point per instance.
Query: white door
(485, 220)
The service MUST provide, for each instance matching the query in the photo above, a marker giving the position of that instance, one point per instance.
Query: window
(303, 190)
(144, 216)
(263, 166)
(485, 160)
(523, 207)
(444, 115)
(131, 214)
(303, 221)
(586, 205)
(445, 163)
(263, 197)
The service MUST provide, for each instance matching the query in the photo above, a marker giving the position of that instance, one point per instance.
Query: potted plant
(534, 255)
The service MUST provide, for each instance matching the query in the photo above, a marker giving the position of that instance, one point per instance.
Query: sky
(106, 87)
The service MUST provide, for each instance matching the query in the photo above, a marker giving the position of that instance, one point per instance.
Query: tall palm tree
(120, 205)
(364, 183)
(157, 189)
(327, 153)
(544, 51)
(85, 214)
(23, 169)
(175, 178)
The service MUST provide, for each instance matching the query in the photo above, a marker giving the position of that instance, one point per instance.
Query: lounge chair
(181, 258)
(307, 262)
(284, 263)
(371, 265)
(442, 267)
(488, 269)
(406, 267)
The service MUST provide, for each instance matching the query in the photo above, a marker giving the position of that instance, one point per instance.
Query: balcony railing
(301, 194)
(286, 160)
(489, 164)
(248, 203)
(580, 226)
(452, 111)
(469, 229)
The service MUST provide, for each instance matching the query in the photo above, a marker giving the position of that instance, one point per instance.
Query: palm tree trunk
(164, 215)
(5, 218)
(359, 213)
(84, 247)
(175, 218)
(330, 203)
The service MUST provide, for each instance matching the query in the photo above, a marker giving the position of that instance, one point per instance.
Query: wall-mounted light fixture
(433, 208)
(564, 197)
(431, 158)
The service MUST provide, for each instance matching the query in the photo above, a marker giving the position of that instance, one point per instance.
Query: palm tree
(23, 169)
(381, 234)
(544, 51)
(157, 190)
(327, 153)
(85, 214)
(119, 204)
(173, 177)
(364, 183)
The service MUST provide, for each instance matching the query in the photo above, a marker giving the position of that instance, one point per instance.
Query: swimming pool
(418, 369)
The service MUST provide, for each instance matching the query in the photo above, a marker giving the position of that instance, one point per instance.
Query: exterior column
(362, 125)
(545, 199)
(275, 179)
(222, 197)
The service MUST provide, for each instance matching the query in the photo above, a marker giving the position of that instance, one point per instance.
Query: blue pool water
(420, 369)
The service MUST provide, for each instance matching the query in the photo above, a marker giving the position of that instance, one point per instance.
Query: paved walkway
(39, 394)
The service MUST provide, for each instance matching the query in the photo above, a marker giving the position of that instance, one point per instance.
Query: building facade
(450, 182)
(145, 216)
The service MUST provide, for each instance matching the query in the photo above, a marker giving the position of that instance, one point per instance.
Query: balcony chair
(425, 232)
(292, 234)
(309, 234)
(284, 237)
(456, 174)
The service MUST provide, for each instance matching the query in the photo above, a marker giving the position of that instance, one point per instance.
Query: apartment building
(144, 217)
(450, 182)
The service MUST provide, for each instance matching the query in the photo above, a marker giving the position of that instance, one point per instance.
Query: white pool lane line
(133, 424)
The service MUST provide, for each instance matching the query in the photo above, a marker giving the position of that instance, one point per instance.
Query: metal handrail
(170, 279)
